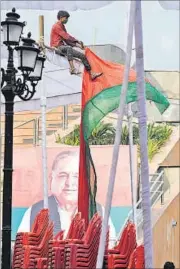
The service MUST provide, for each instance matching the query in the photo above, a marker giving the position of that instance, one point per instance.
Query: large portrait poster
(62, 167)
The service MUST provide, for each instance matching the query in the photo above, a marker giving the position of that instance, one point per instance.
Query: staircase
(157, 196)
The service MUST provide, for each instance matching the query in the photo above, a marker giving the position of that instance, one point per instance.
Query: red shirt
(59, 34)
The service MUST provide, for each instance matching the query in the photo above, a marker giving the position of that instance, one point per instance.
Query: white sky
(107, 25)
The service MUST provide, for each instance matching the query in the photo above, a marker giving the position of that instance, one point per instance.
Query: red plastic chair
(137, 260)
(83, 253)
(42, 263)
(76, 231)
(53, 243)
(119, 248)
(119, 256)
(31, 253)
(33, 238)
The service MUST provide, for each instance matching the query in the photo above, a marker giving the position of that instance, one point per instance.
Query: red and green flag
(99, 98)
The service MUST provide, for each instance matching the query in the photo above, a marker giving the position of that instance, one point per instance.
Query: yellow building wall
(166, 238)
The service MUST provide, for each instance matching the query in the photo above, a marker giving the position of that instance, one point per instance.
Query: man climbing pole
(64, 43)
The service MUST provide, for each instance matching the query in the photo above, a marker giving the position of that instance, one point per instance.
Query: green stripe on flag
(96, 109)
(108, 100)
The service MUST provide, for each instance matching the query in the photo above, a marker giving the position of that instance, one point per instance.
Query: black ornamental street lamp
(21, 84)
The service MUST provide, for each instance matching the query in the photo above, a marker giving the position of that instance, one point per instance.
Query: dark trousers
(71, 53)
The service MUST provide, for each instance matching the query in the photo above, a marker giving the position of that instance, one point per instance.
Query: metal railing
(52, 125)
(23, 124)
(157, 193)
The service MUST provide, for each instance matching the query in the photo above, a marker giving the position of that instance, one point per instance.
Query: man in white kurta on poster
(63, 200)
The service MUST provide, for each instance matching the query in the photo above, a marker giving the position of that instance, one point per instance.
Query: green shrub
(104, 134)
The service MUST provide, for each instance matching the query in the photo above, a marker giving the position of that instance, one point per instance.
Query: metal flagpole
(131, 158)
(43, 124)
(44, 147)
(117, 139)
(146, 201)
(0, 171)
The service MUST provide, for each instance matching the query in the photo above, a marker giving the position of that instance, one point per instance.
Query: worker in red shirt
(64, 42)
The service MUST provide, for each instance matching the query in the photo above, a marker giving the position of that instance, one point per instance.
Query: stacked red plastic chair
(54, 243)
(33, 238)
(137, 260)
(76, 231)
(107, 242)
(42, 263)
(119, 256)
(32, 253)
(83, 253)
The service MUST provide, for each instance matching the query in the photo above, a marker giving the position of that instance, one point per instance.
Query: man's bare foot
(74, 71)
(95, 75)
